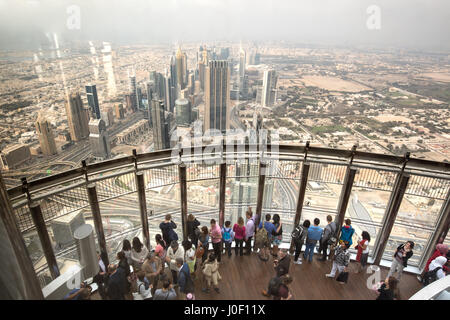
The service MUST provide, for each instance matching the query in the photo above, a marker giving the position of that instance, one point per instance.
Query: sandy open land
(333, 84)
(437, 76)
(388, 117)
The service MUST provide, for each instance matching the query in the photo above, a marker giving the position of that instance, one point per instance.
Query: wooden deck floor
(243, 278)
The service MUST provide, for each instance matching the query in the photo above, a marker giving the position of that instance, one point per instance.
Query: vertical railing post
(41, 228)
(183, 198)
(140, 184)
(345, 196)
(261, 184)
(143, 207)
(16, 252)
(345, 193)
(389, 220)
(440, 233)
(96, 216)
(300, 199)
(223, 178)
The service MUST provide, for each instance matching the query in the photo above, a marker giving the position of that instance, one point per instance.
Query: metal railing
(66, 192)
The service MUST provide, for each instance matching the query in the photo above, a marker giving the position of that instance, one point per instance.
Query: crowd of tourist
(143, 273)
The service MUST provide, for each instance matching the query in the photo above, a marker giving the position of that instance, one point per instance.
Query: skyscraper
(77, 118)
(242, 61)
(157, 81)
(92, 98)
(203, 63)
(217, 95)
(268, 94)
(160, 126)
(132, 91)
(169, 97)
(173, 71)
(45, 136)
(183, 112)
(180, 69)
(98, 139)
(150, 96)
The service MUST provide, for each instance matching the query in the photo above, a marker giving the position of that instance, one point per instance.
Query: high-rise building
(202, 67)
(169, 97)
(92, 98)
(132, 90)
(243, 86)
(14, 155)
(98, 139)
(173, 71)
(217, 96)
(160, 126)
(268, 94)
(180, 69)
(45, 135)
(224, 53)
(242, 61)
(157, 81)
(77, 117)
(183, 112)
(191, 83)
(119, 111)
(139, 104)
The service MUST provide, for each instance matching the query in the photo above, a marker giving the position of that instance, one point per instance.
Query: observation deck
(393, 198)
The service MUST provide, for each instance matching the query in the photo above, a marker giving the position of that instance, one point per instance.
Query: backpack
(333, 236)
(262, 236)
(430, 276)
(297, 233)
(226, 235)
(274, 286)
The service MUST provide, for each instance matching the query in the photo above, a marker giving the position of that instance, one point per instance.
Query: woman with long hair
(138, 253)
(363, 251)
(126, 248)
(239, 235)
(203, 241)
(277, 234)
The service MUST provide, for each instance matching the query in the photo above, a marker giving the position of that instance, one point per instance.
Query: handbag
(199, 252)
(342, 277)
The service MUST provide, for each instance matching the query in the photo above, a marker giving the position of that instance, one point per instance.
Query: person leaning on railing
(167, 228)
(193, 230)
(249, 231)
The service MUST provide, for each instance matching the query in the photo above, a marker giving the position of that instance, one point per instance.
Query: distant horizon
(417, 24)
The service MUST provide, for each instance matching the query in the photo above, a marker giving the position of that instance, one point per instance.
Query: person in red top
(363, 251)
(239, 235)
(441, 250)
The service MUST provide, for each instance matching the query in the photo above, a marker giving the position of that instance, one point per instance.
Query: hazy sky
(424, 24)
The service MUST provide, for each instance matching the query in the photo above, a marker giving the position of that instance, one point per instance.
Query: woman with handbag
(340, 263)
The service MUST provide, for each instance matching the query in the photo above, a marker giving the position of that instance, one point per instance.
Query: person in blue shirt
(314, 235)
(84, 293)
(347, 232)
(269, 226)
